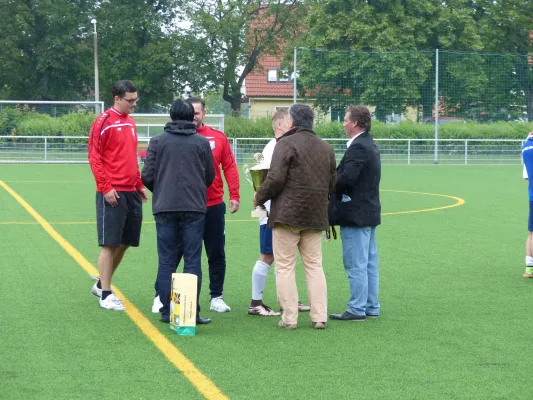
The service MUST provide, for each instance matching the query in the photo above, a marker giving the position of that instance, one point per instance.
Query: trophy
(256, 176)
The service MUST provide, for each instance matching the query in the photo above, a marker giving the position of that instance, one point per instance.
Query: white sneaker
(157, 305)
(95, 291)
(218, 305)
(112, 303)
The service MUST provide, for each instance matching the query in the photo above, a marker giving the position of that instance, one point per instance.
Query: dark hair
(302, 115)
(361, 115)
(196, 100)
(181, 110)
(120, 88)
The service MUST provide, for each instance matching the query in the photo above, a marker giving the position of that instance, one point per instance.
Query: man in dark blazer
(356, 208)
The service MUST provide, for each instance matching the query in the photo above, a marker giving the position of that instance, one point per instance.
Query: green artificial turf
(455, 315)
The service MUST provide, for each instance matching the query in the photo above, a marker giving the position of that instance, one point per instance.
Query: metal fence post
(466, 152)
(45, 149)
(294, 77)
(409, 152)
(436, 160)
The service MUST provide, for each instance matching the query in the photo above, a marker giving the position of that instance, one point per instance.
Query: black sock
(105, 293)
(99, 284)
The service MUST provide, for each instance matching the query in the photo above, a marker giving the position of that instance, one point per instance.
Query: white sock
(259, 279)
(529, 261)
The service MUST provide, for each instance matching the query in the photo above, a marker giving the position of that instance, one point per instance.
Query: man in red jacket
(119, 190)
(214, 231)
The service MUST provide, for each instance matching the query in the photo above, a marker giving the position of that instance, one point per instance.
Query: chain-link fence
(399, 86)
(73, 149)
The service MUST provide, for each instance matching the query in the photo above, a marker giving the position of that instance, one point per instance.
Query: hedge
(18, 122)
(26, 122)
(262, 128)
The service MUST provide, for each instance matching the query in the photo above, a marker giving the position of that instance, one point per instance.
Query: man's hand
(112, 198)
(233, 206)
(143, 194)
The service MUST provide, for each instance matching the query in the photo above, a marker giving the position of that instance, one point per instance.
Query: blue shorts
(265, 240)
(530, 220)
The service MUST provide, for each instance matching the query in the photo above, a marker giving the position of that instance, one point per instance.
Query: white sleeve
(524, 173)
(268, 151)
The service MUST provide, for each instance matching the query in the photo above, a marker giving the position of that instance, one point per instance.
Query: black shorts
(120, 225)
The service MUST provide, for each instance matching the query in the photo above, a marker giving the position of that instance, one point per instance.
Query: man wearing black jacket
(356, 208)
(178, 170)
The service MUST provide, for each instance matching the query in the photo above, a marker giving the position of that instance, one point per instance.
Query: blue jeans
(179, 234)
(360, 257)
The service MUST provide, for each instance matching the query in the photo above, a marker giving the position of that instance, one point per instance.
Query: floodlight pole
(96, 85)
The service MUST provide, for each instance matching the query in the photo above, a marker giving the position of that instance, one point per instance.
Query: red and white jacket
(113, 152)
(222, 155)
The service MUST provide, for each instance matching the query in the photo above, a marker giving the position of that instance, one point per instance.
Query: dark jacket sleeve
(209, 166)
(354, 161)
(277, 173)
(148, 172)
(333, 172)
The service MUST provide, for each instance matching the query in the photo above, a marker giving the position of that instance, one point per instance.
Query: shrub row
(24, 121)
(262, 128)
(19, 122)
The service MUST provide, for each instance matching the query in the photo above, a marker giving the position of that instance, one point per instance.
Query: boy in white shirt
(280, 124)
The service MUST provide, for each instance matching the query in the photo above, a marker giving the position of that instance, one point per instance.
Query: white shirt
(352, 139)
(267, 152)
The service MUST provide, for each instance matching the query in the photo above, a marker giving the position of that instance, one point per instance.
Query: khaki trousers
(286, 241)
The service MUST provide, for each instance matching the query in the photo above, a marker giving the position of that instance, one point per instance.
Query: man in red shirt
(119, 190)
(214, 231)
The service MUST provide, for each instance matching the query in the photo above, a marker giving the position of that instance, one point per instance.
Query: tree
(507, 26)
(137, 42)
(45, 51)
(227, 39)
(390, 37)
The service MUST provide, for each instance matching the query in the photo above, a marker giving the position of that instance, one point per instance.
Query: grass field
(455, 319)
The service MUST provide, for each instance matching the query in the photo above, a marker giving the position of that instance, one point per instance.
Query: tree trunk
(234, 99)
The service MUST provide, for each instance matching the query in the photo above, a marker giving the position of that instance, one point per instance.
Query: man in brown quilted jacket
(301, 176)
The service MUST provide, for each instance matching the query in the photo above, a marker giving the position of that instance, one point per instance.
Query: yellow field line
(94, 222)
(204, 385)
(458, 202)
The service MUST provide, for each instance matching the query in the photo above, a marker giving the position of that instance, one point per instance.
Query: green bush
(77, 123)
(24, 121)
(11, 117)
(236, 127)
(38, 125)
(19, 123)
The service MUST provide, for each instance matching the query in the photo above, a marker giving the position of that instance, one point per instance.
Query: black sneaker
(347, 316)
(165, 318)
(202, 321)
